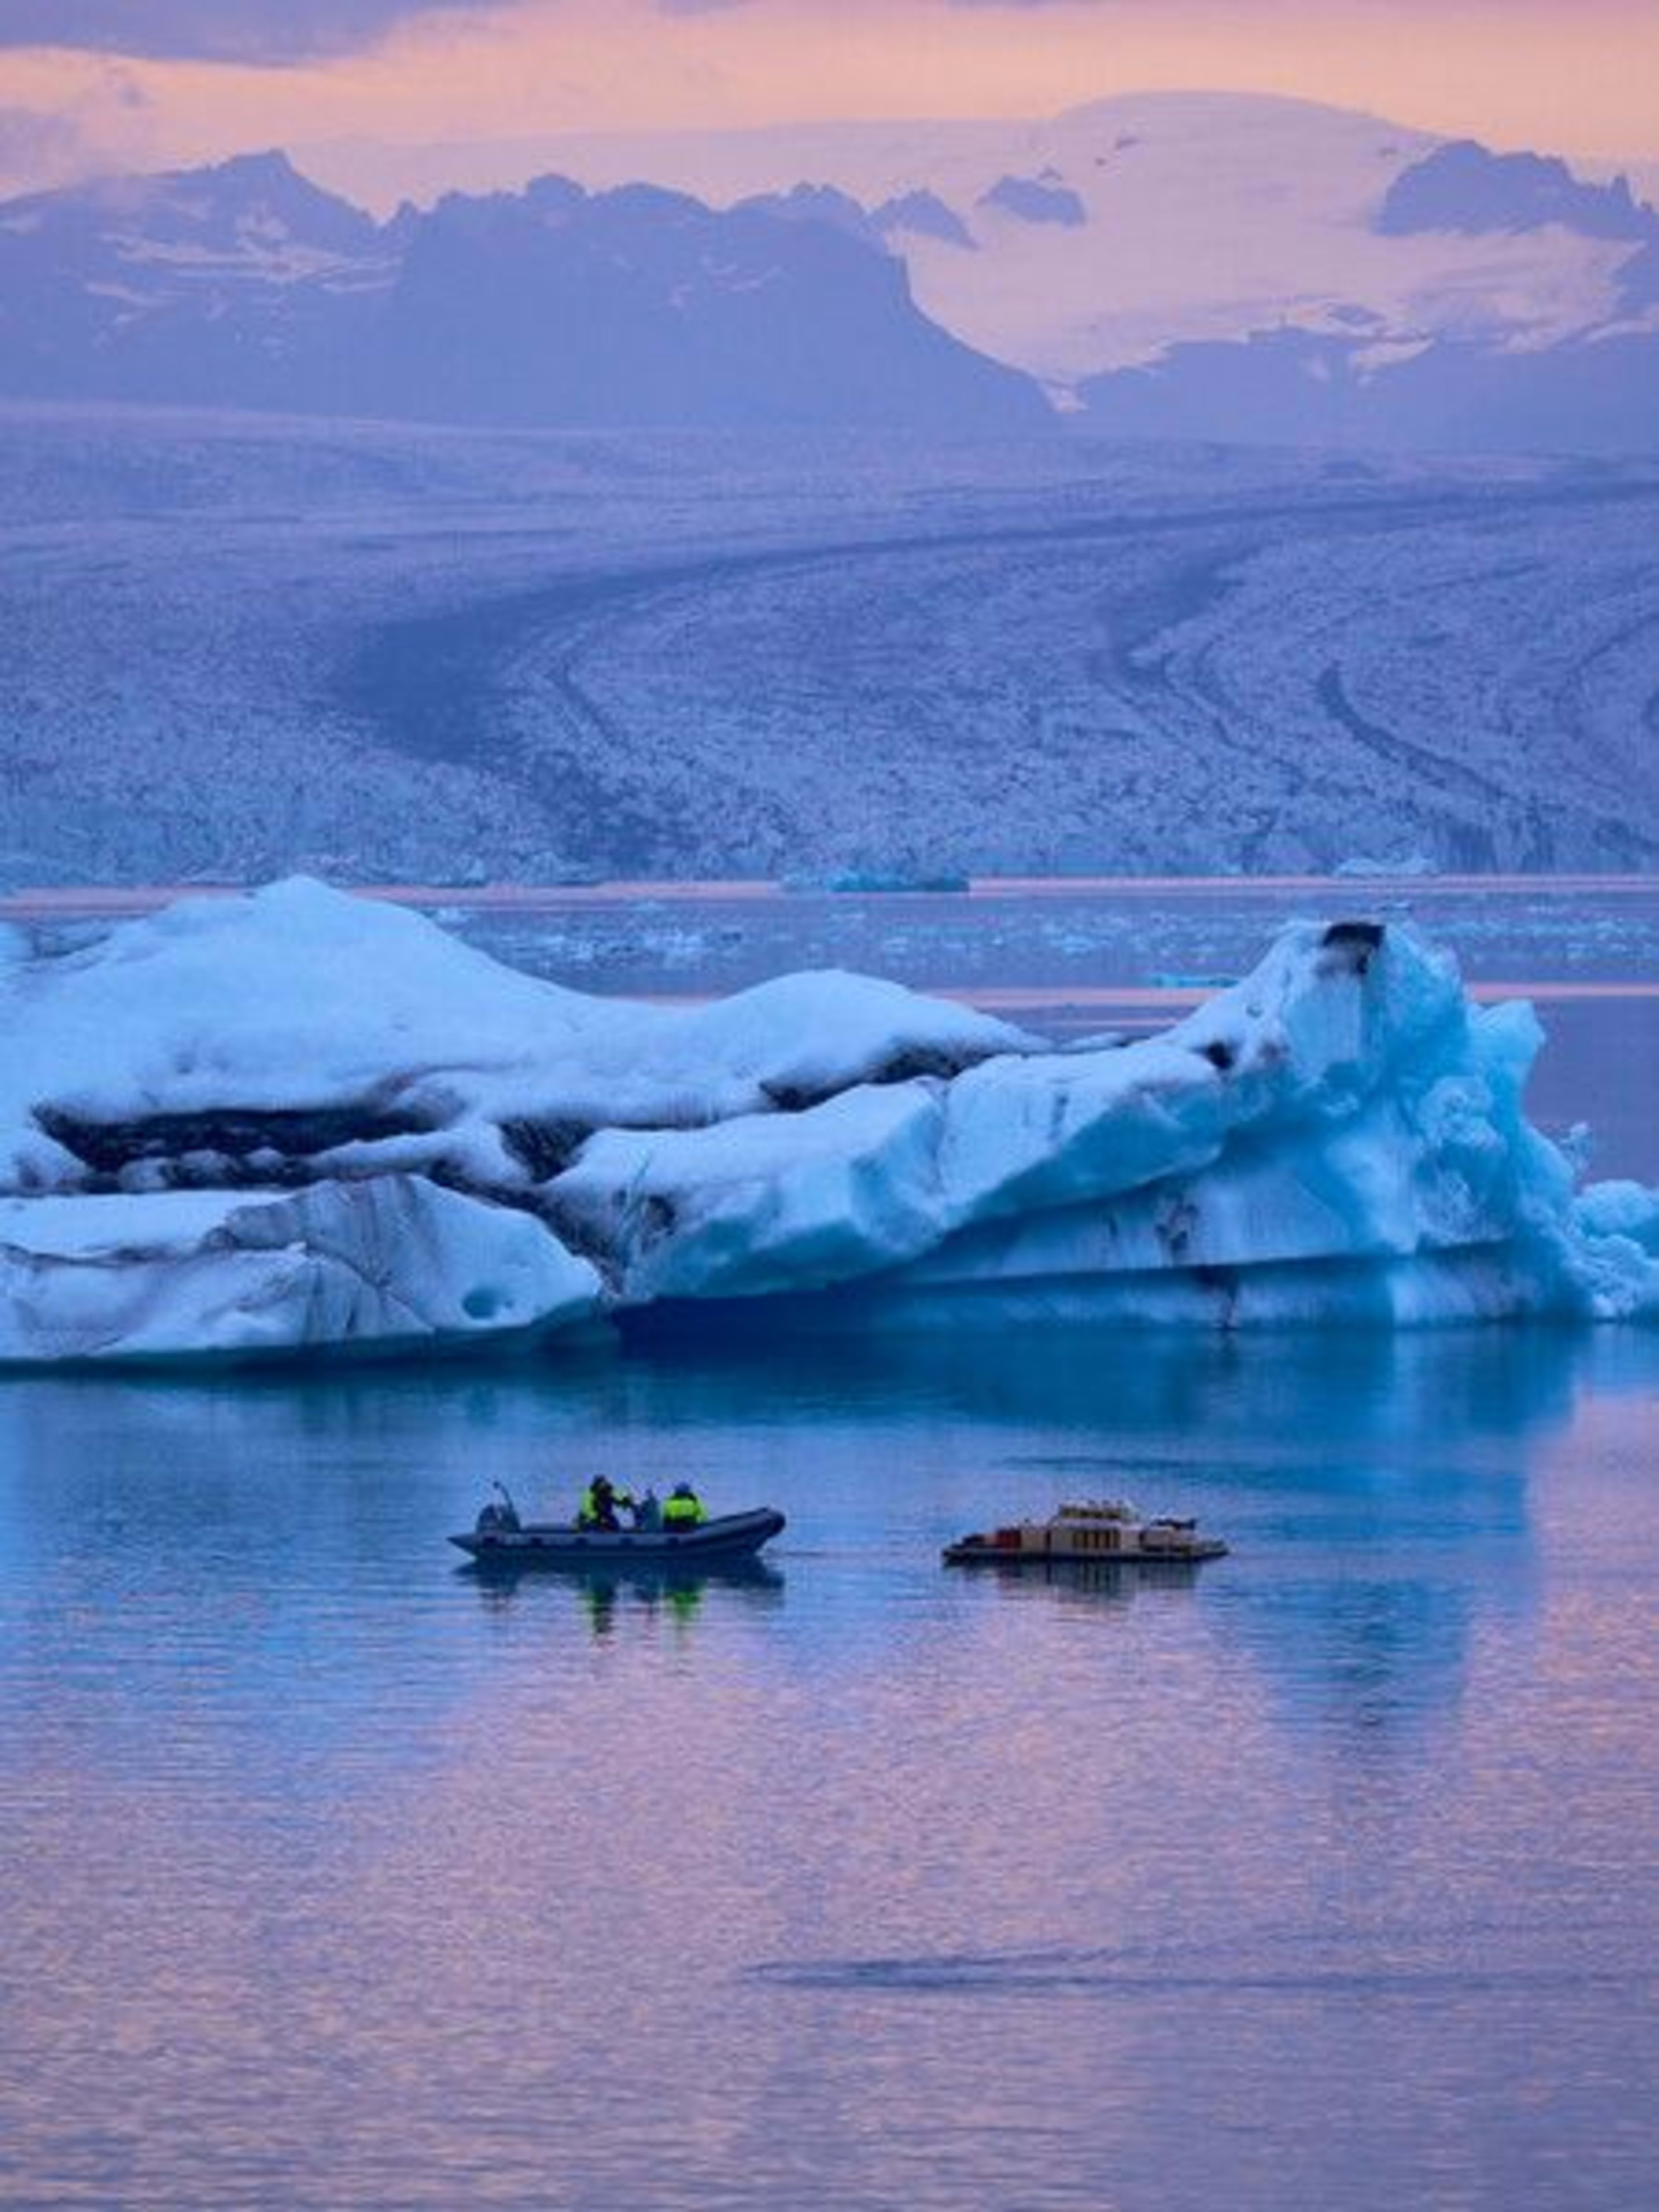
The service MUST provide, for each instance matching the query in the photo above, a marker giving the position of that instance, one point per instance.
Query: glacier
(301, 1121)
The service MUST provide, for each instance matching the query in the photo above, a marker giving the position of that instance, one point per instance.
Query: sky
(101, 83)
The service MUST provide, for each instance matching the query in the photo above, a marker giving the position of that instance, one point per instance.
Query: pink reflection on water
(48, 903)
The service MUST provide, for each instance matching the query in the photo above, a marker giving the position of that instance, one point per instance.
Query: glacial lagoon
(333, 1875)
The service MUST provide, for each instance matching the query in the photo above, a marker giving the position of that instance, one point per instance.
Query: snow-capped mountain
(1260, 267)
(203, 285)
(1224, 267)
(245, 285)
(1575, 374)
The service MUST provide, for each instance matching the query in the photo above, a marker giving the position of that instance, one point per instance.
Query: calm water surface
(333, 1876)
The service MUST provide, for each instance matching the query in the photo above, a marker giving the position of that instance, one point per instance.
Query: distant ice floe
(1363, 864)
(302, 1121)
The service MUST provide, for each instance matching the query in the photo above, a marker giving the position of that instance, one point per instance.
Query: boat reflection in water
(645, 1590)
(1109, 1581)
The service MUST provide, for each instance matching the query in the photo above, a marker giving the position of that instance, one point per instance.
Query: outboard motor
(501, 1520)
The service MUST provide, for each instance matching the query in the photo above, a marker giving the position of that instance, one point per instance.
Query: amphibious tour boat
(1102, 1531)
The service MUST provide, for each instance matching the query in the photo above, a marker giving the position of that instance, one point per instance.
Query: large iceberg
(302, 1120)
(388, 1262)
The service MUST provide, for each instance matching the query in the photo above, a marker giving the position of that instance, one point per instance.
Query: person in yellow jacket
(684, 1510)
(599, 1503)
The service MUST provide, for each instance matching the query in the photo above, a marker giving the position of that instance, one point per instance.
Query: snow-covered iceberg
(384, 1263)
(303, 1120)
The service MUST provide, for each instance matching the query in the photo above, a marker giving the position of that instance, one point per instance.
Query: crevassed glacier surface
(302, 1119)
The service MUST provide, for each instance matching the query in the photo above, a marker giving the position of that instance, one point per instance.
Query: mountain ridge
(1455, 291)
(245, 284)
(1232, 267)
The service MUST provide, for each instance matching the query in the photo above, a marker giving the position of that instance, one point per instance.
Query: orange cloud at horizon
(1525, 72)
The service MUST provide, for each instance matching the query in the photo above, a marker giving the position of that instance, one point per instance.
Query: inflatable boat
(501, 1539)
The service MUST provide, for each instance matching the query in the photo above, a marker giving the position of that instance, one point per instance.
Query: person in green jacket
(684, 1510)
(599, 1503)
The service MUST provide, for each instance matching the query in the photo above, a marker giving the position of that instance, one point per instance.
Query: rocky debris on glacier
(302, 1120)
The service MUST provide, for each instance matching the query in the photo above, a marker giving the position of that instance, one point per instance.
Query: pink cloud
(1514, 72)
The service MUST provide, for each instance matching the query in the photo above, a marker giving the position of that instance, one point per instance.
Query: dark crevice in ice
(544, 1148)
(235, 1139)
(1351, 944)
(909, 1065)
